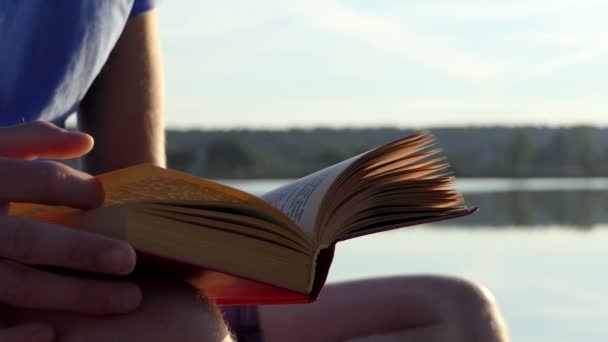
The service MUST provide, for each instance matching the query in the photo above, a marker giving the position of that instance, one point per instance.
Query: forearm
(123, 110)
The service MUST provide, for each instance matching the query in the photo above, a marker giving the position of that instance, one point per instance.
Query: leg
(170, 311)
(244, 323)
(415, 308)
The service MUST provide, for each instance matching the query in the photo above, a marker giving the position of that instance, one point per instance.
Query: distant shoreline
(480, 152)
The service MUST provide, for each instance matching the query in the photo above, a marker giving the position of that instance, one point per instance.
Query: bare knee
(466, 308)
(462, 292)
(412, 308)
(175, 312)
(450, 307)
(185, 319)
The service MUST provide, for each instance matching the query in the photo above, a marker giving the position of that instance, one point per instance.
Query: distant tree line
(580, 151)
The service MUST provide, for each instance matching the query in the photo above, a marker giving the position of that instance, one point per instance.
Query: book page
(301, 200)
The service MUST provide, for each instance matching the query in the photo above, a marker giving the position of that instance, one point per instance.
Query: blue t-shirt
(52, 50)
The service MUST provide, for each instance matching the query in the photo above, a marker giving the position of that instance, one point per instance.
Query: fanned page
(399, 184)
(301, 199)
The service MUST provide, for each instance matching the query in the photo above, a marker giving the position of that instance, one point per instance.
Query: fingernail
(126, 299)
(69, 131)
(43, 335)
(117, 260)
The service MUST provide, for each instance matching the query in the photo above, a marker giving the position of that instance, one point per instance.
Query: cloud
(598, 51)
(276, 112)
(195, 19)
(381, 33)
(463, 11)
(346, 62)
(208, 19)
(397, 31)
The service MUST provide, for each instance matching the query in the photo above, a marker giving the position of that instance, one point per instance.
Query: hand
(26, 242)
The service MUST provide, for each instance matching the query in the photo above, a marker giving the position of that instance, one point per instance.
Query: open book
(241, 249)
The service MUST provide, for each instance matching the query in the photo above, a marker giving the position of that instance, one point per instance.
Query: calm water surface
(539, 245)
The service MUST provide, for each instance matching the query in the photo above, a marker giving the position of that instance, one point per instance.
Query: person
(102, 60)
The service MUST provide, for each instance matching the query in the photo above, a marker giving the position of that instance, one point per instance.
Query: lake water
(538, 244)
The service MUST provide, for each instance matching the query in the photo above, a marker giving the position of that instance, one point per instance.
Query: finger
(42, 139)
(33, 332)
(48, 182)
(38, 243)
(26, 287)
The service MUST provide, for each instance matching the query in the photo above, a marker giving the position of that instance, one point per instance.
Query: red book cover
(228, 289)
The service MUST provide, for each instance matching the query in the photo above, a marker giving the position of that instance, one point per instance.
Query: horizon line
(377, 127)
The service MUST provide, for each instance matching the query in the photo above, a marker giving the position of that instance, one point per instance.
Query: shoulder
(57, 48)
(141, 6)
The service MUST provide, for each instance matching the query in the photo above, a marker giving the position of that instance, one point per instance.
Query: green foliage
(180, 159)
(228, 159)
(580, 151)
(519, 152)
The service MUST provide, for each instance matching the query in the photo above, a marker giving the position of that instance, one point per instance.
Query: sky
(405, 63)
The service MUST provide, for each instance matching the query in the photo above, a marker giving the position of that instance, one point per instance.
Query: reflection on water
(550, 283)
(476, 185)
(521, 203)
(582, 209)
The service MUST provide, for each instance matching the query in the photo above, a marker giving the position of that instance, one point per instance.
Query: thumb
(41, 139)
(32, 332)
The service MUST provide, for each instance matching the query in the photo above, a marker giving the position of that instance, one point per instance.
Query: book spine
(220, 287)
(323, 263)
